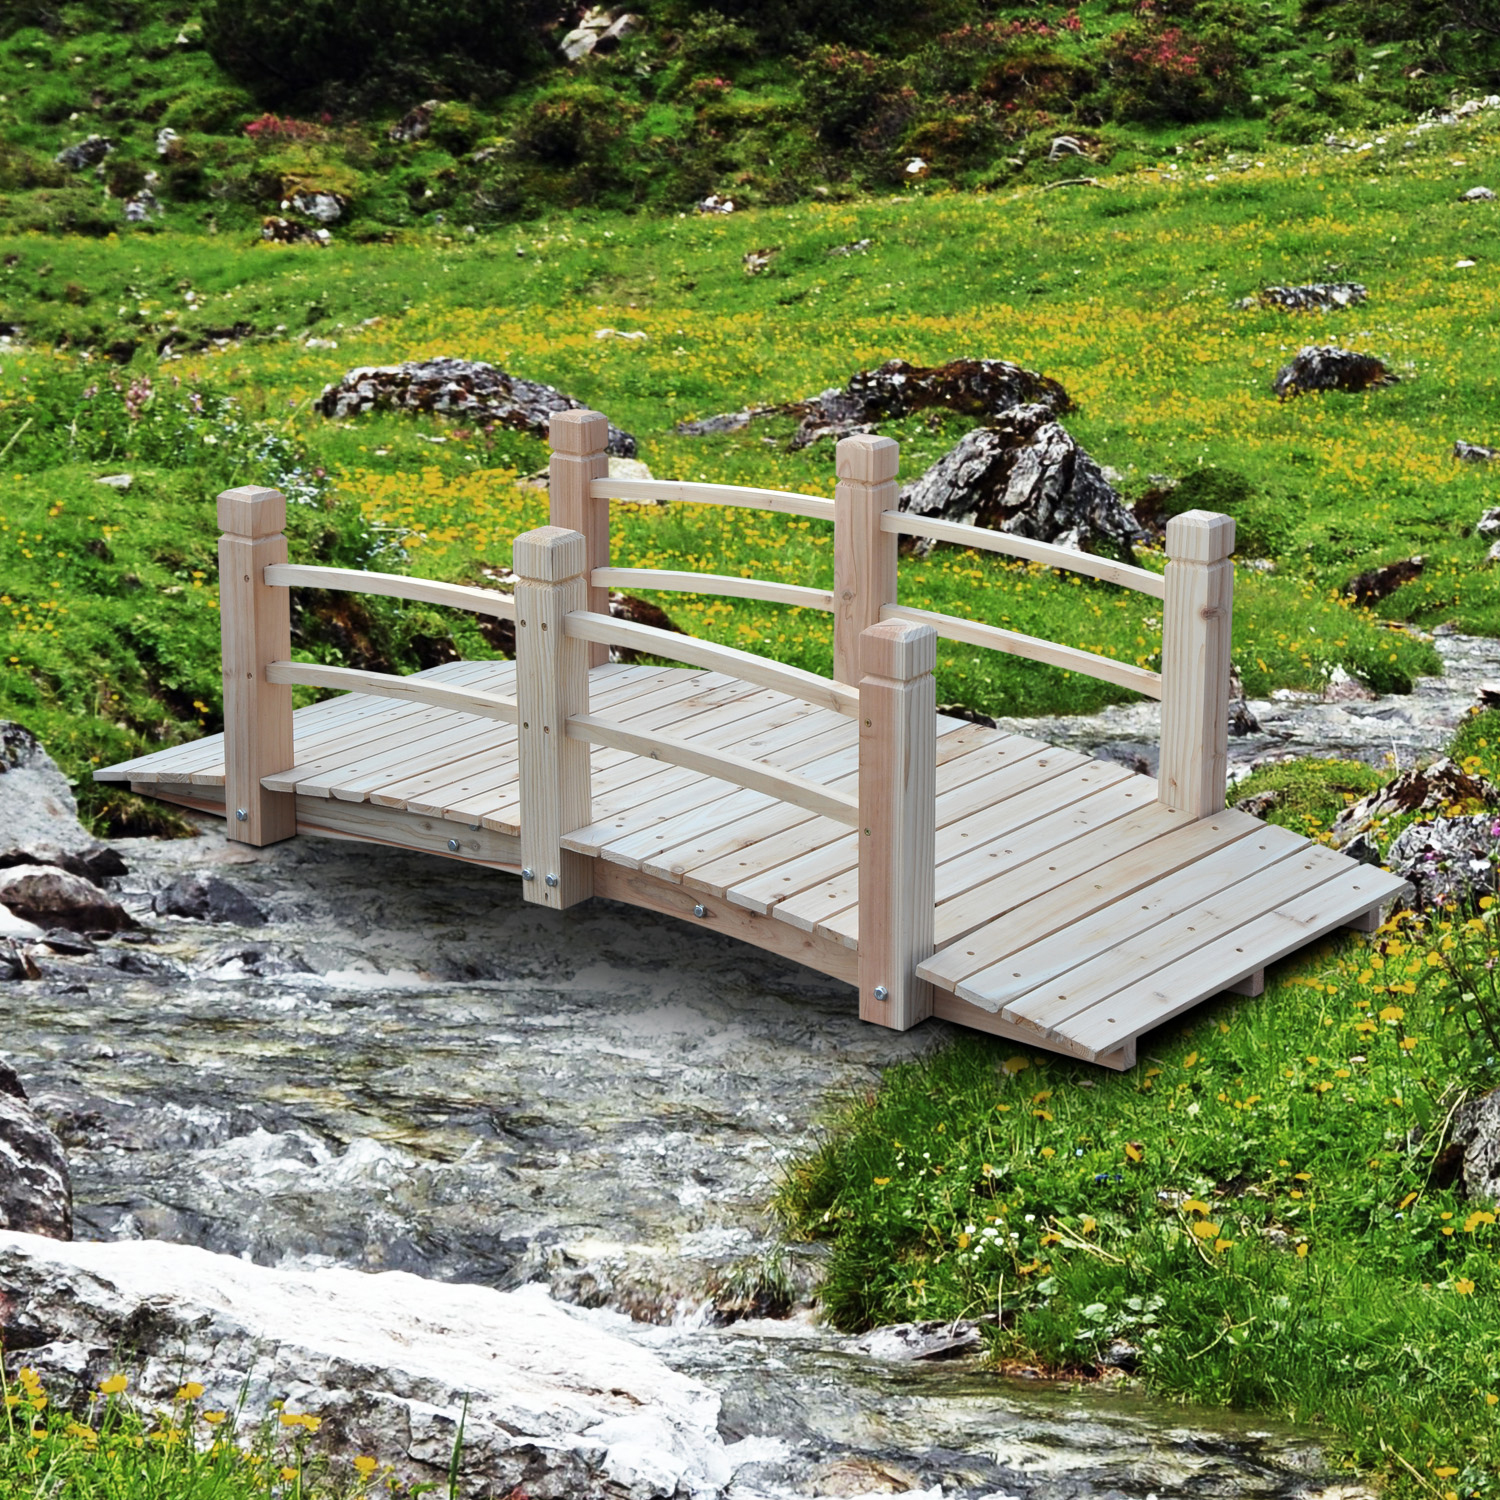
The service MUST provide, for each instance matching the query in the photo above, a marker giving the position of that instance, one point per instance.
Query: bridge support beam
(256, 621)
(552, 684)
(897, 820)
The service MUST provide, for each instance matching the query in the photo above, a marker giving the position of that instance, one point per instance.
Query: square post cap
(1200, 536)
(900, 649)
(549, 554)
(866, 458)
(252, 512)
(583, 433)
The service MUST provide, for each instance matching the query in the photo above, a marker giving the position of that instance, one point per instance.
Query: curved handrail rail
(746, 665)
(983, 539)
(786, 501)
(388, 685)
(393, 586)
(674, 581)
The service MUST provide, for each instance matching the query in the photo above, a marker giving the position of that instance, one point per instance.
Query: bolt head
(241, 815)
(552, 880)
(453, 845)
(528, 873)
(881, 993)
(700, 911)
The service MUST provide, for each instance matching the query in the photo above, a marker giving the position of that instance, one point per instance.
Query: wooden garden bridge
(941, 867)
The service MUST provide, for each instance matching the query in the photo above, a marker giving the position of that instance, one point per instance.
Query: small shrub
(571, 126)
(844, 89)
(1166, 72)
(211, 110)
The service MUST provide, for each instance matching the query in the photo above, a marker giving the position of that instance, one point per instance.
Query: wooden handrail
(386, 685)
(746, 665)
(393, 586)
(1032, 647)
(755, 775)
(713, 583)
(903, 523)
(787, 502)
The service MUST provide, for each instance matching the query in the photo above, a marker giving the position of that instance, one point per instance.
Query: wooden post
(1197, 623)
(864, 556)
(552, 683)
(580, 441)
(897, 820)
(256, 620)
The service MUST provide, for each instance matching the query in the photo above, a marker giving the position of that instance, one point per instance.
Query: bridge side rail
(1196, 588)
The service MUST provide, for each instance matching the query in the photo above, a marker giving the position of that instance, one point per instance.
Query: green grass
(1261, 1207)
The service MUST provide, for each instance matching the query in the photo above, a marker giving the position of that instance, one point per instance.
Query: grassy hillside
(768, 104)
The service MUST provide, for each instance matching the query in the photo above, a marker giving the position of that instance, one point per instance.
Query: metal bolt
(528, 873)
(453, 845)
(552, 880)
(700, 911)
(241, 815)
(881, 993)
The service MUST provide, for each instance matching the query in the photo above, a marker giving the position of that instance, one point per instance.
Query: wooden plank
(394, 586)
(670, 581)
(386, 825)
(619, 884)
(981, 539)
(782, 501)
(742, 664)
(552, 689)
(673, 862)
(1074, 881)
(753, 876)
(580, 456)
(1034, 648)
(1022, 959)
(256, 630)
(384, 685)
(864, 556)
(1151, 1000)
(948, 1007)
(1196, 627)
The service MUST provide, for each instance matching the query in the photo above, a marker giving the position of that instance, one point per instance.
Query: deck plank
(1022, 955)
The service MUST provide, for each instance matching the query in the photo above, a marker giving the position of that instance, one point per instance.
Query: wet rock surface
(1476, 1133)
(36, 1195)
(1326, 367)
(1317, 296)
(207, 899)
(453, 387)
(38, 815)
(49, 897)
(1024, 474)
(408, 1068)
(1448, 860)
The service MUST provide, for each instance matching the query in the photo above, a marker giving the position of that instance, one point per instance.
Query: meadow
(1258, 1207)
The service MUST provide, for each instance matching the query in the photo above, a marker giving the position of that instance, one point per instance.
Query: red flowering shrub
(1168, 72)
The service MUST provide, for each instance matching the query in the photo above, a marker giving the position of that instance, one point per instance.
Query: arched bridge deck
(940, 866)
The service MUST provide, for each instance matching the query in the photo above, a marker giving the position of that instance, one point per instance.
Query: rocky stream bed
(390, 1063)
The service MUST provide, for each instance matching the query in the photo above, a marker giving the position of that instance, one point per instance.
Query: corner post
(1197, 625)
(256, 621)
(552, 683)
(864, 556)
(580, 441)
(897, 820)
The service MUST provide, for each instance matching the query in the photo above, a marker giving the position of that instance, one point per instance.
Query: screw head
(881, 993)
(453, 845)
(241, 815)
(552, 880)
(528, 873)
(700, 910)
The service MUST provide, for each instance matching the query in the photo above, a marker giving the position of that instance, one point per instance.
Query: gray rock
(1373, 586)
(415, 124)
(1478, 194)
(1025, 475)
(116, 481)
(1489, 523)
(15, 962)
(933, 1340)
(1326, 367)
(1448, 860)
(38, 816)
(325, 207)
(52, 897)
(1317, 296)
(85, 154)
(1422, 789)
(551, 1400)
(1474, 453)
(457, 387)
(36, 1192)
(208, 899)
(1476, 1132)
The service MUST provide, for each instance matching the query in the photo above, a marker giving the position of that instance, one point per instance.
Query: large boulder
(1326, 367)
(1448, 860)
(38, 816)
(50, 897)
(457, 387)
(551, 1399)
(982, 388)
(36, 1192)
(1422, 789)
(206, 898)
(1024, 474)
